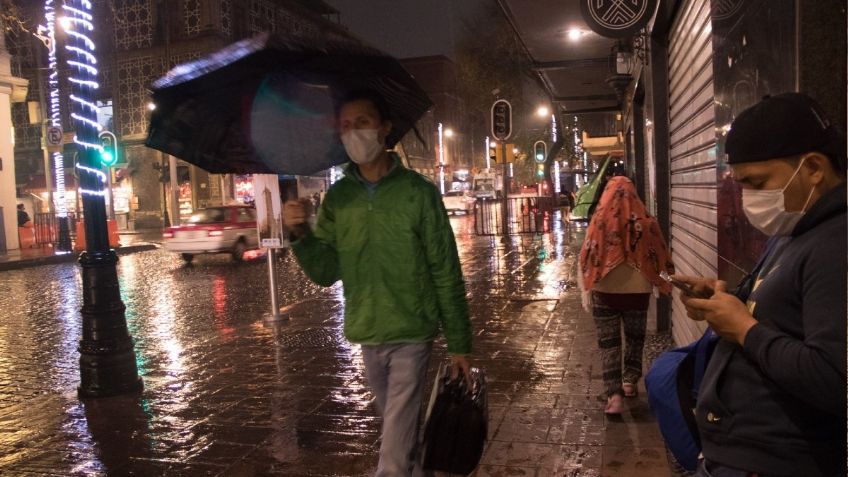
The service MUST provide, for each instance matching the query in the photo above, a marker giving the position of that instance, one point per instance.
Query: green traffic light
(540, 157)
(108, 149)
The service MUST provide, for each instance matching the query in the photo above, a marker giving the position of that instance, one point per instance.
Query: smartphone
(685, 287)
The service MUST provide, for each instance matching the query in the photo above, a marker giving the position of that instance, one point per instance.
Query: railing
(525, 215)
(46, 228)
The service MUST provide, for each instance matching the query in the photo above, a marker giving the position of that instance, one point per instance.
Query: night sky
(408, 28)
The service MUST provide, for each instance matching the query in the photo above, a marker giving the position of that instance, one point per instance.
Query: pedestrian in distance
(772, 402)
(23, 216)
(621, 259)
(384, 232)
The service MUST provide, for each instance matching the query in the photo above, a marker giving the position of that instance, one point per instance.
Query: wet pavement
(228, 393)
(129, 242)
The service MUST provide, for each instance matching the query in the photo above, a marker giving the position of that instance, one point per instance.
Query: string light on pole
(557, 184)
(107, 357)
(82, 62)
(441, 159)
(47, 34)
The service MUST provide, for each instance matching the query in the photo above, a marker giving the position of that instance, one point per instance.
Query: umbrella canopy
(267, 104)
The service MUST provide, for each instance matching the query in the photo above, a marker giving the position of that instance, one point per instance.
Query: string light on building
(486, 152)
(553, 128)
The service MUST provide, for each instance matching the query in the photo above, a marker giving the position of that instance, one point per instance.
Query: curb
(70, 257)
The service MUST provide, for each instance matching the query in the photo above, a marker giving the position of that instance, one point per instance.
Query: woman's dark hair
(369, 95)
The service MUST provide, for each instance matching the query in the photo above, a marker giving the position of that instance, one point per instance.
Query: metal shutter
(692, 153)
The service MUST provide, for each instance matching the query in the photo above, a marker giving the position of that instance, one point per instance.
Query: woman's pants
(609, 321)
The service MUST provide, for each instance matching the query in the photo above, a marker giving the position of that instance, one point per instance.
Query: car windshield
(208, 216)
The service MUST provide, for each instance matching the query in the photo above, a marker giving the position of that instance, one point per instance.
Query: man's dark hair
(20, 206)
(369, 95)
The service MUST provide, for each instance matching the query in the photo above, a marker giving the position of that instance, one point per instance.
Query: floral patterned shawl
(621, 230)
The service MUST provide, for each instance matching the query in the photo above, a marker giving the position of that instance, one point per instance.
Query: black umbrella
(266, 104)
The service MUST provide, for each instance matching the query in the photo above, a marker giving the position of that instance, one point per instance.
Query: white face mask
(362, 145)
(766, 209)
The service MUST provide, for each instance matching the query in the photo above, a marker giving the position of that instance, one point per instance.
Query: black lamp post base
(108, 381)
(107, 358)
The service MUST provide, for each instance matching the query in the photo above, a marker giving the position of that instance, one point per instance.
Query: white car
(457, 201)
(226, 229)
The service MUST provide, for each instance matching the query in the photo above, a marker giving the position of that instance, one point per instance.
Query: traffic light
(109, 148)
(501, 120)
(540, 150)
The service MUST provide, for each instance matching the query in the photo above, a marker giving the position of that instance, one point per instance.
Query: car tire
(187, 257)
(239, 249)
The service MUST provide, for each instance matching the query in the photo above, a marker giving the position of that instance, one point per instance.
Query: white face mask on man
(362, 145)
(766, 209)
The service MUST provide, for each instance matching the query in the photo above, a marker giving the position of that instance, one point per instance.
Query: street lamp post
(441, 158)
(107, 358)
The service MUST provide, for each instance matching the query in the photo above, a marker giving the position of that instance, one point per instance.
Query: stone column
(12, 90)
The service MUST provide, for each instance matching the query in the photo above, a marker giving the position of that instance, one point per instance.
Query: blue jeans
(396, 374)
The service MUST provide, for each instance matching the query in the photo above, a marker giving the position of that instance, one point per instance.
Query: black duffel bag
(456, 424)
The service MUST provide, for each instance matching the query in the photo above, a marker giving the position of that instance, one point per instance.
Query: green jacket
(394, 250)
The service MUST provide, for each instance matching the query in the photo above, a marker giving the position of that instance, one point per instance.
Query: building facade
(706, 61)
(141, 40)
(437, 76)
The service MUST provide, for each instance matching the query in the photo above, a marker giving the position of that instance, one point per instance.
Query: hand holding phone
(687, 288)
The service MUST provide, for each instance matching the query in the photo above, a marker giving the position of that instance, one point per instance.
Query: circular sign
(726, 9)
(53, 136)
(617, 18)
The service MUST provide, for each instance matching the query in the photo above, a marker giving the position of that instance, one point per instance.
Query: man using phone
(772, 401)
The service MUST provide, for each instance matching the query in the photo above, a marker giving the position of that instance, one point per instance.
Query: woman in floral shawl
(620, 262)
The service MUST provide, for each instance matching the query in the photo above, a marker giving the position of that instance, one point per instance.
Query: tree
(14, 19)
(492, 64)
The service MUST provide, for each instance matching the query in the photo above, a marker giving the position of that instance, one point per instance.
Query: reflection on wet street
(226, 393)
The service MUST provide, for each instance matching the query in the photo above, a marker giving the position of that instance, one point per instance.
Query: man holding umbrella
(383, 230)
